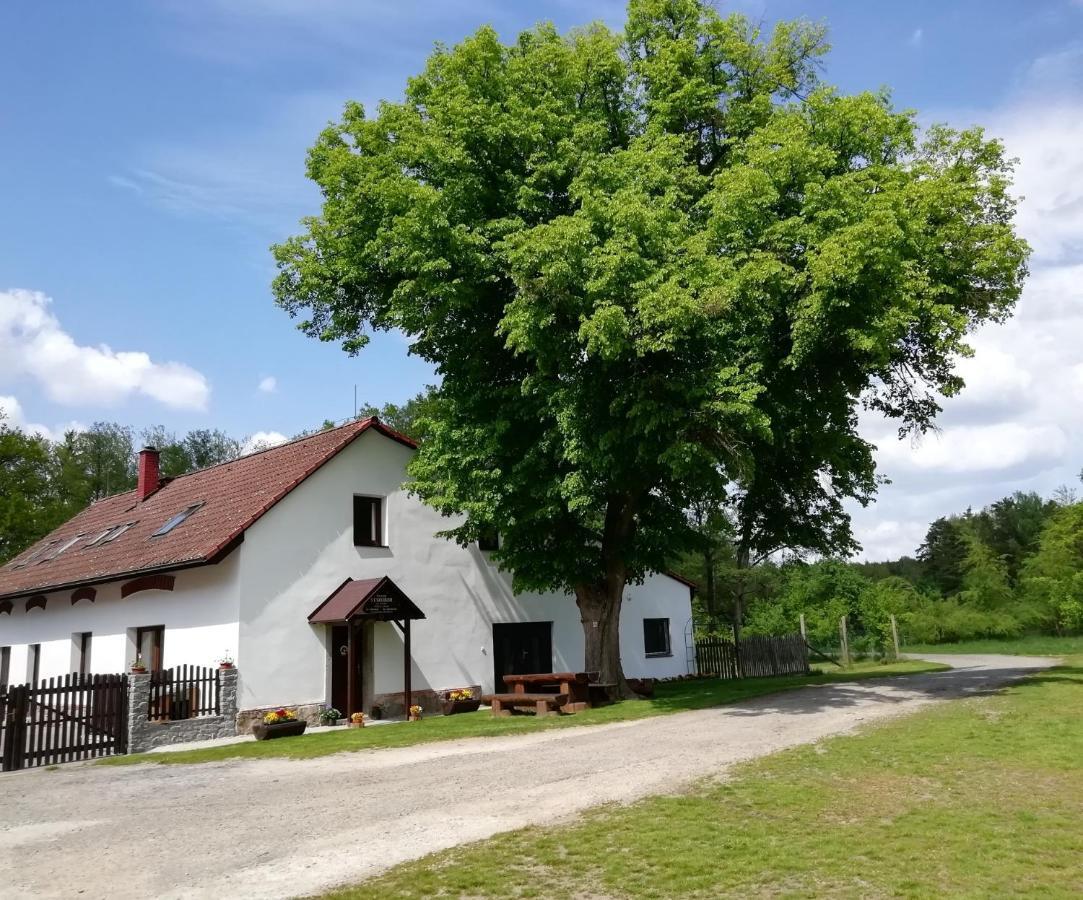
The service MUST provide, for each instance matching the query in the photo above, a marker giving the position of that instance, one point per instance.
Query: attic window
(33, 556)
(110, 534)
(61, 547)
(177, 519)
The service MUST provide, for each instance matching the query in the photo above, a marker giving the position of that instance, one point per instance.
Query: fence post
(844, 643)
(138, 707)
(895, 635)
(804, 635)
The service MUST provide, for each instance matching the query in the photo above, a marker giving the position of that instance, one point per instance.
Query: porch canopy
(374, 599)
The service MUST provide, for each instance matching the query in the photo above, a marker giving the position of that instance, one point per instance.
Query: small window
(656, 637)
(5, 665)
(368, 521)
(489, 539)
(35, 555)
(110, 534)
(33, 663)
(177, 519)
(61, 546)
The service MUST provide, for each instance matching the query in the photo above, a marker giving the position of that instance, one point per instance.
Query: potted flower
(415, 713)
(357, 720)
(460, 700)
(329, 715)
(226, 662)
(279, 723)
(138, 667)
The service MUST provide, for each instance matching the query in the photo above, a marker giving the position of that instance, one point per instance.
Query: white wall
(256, 603)
(199, 615)
(298, 553)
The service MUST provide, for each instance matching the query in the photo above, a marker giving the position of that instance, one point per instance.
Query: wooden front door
(340, 668)
(521, 648)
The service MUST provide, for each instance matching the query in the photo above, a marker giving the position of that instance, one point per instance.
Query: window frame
(153, 664)
(177, 519)
(665, 632)
(81, 649)
(376, 512)
(5, 665)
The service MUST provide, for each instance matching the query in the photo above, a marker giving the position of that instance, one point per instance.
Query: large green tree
(636, 262)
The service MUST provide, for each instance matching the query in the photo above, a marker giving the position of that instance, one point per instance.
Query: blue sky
(153, 151)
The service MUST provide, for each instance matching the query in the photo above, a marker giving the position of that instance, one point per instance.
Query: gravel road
(277, 828)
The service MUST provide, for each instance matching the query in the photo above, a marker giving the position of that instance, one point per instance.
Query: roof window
(110, 534)
(33, 556)
(60, 547)
(176, 520)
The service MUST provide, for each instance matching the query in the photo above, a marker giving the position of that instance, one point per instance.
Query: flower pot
(460, 706)
(414, 717)
(225, 665)
(139, 670)
(356, 724)
(266, 732)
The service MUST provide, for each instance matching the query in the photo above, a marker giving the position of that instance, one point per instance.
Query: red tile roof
(234, 495)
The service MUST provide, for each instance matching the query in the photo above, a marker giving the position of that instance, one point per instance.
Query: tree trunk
(599, 611)
(711, 593)
(600, 601)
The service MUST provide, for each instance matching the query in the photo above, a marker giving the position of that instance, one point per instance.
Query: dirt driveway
(276, 828)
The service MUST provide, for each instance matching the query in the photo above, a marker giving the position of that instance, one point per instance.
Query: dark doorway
(521, 648)
(340, 668)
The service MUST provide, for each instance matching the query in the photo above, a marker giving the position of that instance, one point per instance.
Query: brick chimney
(148, 481)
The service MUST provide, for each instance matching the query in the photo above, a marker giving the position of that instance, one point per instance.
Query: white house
(276, 559)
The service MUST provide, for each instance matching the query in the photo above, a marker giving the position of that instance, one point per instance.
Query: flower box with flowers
(279, 723)
(459, 701)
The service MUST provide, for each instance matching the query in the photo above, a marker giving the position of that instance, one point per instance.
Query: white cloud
(1018, 424)
(33, 343)
(917, 37)
(269, 384)
(13, 415)
(262, 440)
(969, 449)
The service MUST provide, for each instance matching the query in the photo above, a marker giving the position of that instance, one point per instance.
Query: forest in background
(1012, 568)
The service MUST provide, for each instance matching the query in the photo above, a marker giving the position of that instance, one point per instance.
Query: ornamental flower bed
(279, 723)
(459, 701)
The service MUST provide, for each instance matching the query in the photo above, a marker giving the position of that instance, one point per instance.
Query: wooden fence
(62, 720)
(183, 692)
(753, 657)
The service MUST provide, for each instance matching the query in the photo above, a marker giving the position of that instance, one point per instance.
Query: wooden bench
(598, 693)
(544, 704)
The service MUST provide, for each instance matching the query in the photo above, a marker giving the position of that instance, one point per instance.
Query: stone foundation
(310, 712)
(144, 735)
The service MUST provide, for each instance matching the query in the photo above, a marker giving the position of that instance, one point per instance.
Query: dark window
(177, 519)
(84, 652)
(33, 663)
(656, 637)
(5, 664)
(367, 521)
(150, 646)
(488, 539)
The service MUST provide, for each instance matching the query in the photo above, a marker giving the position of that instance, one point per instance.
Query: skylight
(176, 520)
(29, 559)
(110, 534)
(61, 546)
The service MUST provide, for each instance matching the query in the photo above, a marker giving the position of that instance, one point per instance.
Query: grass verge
(1032, 645)
(974, 798)
(670, 698)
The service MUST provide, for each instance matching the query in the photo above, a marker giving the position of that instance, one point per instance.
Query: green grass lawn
(1032, 645)
(974, 798)
(670, 697)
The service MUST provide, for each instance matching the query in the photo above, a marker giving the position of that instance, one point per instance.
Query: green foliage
(29, 506)
(652, 269)
(1053, 578)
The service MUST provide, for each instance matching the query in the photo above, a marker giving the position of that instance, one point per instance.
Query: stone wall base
(144, 734)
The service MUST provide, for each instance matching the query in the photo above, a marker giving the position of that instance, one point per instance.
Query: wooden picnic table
(575, 685)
